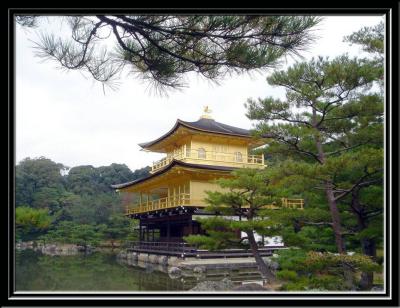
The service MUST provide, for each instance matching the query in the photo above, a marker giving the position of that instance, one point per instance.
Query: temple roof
(204, 125)
(170, 166)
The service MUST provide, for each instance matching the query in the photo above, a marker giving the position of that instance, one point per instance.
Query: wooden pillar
(179, 194)
(190, 192)
(168, 229)
(140, 230)
(190, 225)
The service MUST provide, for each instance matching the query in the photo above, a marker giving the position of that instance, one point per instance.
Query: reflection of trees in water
(98, 271)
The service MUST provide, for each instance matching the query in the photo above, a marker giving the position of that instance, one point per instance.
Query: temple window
(201, 152)
(238, 156)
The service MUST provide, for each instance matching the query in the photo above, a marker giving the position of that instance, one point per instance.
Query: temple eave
(187, 166)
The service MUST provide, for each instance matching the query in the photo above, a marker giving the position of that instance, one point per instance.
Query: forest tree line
(75, 205)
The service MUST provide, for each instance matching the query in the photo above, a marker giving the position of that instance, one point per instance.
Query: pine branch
(348, 148)
(323, 223)
(295, 146)
(360, 184)
(373, 213)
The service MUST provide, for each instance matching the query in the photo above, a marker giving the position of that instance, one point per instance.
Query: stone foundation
(193, 267)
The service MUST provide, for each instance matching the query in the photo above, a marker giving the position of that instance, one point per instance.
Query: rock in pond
(163, 260)
(199, 270)
(223, 285)
(174, 272)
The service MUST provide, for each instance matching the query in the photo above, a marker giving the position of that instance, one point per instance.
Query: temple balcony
(185, 200)
(200, 156)
(173, 201)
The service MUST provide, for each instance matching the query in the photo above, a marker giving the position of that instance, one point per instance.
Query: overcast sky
(66, 117)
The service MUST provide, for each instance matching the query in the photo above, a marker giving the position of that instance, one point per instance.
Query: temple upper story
(197, 153)
(206, 142)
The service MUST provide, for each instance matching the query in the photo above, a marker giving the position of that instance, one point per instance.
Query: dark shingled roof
(170, 166)
(214, 126)
(207, 125)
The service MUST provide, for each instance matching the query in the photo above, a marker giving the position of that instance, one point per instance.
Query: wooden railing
(211, 156)
(293, 203)
(183, 249)
(287, 203)
(184, 199)
(159, 204)
(161, 163)
(180, 247)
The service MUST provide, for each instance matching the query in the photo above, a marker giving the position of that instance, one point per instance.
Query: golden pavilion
(170, 198)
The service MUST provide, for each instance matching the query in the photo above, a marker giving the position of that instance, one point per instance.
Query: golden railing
(287, 203)
(162, 163)
(159, 204)
(217, 157)
(184, 199)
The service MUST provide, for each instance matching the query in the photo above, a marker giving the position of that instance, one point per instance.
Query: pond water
(95, 272)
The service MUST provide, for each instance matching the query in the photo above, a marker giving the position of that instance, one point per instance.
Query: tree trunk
(265, 271)
(296, 226)
(369, 249)
(336, 224)
(367, 279)
(368, 245)
(85, 246)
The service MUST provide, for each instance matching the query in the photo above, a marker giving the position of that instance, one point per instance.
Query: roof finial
(206, 114)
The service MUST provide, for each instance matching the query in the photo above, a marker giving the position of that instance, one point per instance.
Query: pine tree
(331, 127)
(163, 48)
(238, 208)
(318, 118)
